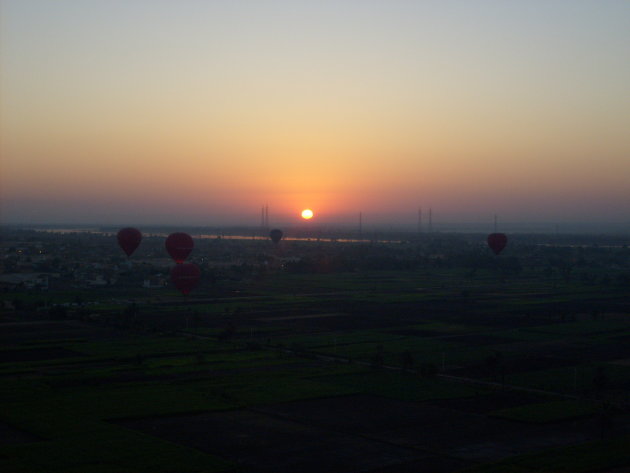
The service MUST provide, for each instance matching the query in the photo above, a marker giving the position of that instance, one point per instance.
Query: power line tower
(264, 217)
(430, 220)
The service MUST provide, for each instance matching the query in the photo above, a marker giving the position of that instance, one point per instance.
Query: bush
(428, 370)
(58, 312)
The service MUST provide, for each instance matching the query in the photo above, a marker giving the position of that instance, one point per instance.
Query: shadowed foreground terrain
(420, 355)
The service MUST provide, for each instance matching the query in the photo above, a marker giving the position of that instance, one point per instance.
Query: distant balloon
(185, 277)
(496, 242)
(179, 245)
(129, 239)
(275, 235)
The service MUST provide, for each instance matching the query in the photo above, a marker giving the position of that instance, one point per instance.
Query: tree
(494, 362)
(428, 370)
(132, 310)
(58, 312)
(228, 332)
(407, 360)
(601, 380)
(377, 357)
(606, 419)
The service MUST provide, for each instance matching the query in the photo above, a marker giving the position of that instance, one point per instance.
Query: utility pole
(430, 220)
(419, 219)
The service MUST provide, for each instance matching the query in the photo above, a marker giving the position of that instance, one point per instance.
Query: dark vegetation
(425, 353)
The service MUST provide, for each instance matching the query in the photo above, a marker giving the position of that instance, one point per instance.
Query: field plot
(455, 362)
(37, 354)
(261, 442)
(358, 433)
(46, 331)
(11, 435)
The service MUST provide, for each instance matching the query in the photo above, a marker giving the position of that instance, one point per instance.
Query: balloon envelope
(185, 277)
(179, 245)
(275, 235)
(496, 242)
(129, 239)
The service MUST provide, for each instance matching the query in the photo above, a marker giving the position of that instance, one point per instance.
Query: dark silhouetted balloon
(179, 245)
(129, 239)
(496, 242)
(275, 235)
(185, 276)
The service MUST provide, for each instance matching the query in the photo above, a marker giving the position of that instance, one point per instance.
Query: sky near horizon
(201, 112)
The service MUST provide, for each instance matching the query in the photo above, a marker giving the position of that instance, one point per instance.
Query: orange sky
(199, 113)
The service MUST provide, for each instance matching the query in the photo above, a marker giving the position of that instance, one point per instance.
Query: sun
(307, 214)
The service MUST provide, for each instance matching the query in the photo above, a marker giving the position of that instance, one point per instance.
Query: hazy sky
(201, 112)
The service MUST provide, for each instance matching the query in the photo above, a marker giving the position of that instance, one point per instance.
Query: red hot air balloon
(185, 277)
(496, 242)
(129, 239)
(179, 245)
(275, 235)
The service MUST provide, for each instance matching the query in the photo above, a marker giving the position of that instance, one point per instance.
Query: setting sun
(307, 214)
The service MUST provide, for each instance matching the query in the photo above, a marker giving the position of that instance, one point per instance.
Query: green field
(475, 368)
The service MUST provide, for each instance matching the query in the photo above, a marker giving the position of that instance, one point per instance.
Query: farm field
(425, 369)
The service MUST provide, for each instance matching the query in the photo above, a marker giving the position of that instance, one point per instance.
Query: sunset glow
(307, 214)
(162, 113)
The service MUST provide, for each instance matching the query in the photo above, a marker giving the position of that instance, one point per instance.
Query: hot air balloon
(185, 277)
(129, 239)
(496, 242)
(275, 235)
(179, 245)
